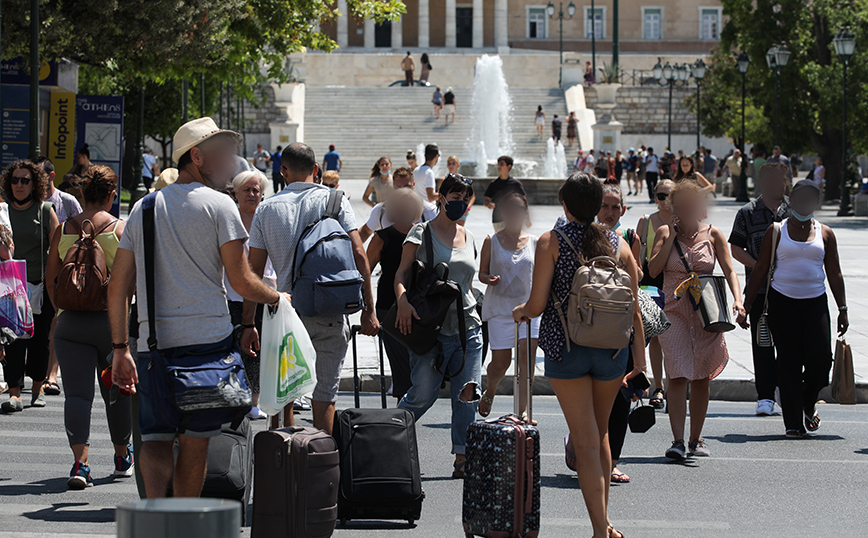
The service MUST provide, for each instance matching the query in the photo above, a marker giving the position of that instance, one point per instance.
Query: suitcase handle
(531, 364)
(354, 330)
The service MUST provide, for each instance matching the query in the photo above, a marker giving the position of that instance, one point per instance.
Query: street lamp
(571, 10)
(743, 65)
(777, 58)
(698, 72)
(845, 46)
(668, 74)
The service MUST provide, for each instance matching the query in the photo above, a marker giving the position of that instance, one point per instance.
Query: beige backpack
(600, 305)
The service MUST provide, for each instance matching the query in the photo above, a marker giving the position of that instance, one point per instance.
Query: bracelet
(123, 345)
(248, 326)
(842, 308)
(275, 303)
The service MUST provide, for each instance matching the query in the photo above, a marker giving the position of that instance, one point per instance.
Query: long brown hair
(583, 197)
(679, 173)
(375, 171)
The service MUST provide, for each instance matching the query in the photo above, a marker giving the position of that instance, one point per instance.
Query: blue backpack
(325, 281)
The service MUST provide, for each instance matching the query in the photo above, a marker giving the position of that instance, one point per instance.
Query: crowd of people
(226, 251)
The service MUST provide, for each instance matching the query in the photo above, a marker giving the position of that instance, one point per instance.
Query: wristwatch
(842, 308)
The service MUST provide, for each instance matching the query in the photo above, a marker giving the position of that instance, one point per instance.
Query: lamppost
(743, 65)
(571, 10)
(777, 58)
(698, 72)
(845, 46)
(667, 74)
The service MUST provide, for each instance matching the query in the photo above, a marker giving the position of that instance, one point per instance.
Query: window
(652, 23)
(595, 25)
(709, 23)
(537, 22)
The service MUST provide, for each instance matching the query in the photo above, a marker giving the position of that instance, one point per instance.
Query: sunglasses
(331, 186)
(662, 196)
(22, 180)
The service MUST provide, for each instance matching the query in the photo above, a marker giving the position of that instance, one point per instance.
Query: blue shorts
(154, 429)
(600, 364)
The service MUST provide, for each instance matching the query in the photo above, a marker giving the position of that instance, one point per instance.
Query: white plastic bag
(287, 368)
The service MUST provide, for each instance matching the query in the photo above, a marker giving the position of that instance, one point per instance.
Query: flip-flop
(50, 388)
(620, 478)
(812, 423)
(568, 455)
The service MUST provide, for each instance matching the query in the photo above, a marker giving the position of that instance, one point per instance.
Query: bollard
(179, 518)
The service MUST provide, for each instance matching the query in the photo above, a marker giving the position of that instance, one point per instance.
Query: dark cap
(806, 184)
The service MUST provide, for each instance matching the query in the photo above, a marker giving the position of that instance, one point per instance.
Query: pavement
(736, 381)
(756, 483)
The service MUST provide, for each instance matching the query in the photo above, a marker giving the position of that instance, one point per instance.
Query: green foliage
(811, 85)
(609, 74)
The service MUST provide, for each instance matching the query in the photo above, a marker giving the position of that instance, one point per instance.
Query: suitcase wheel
(410, 521)
(343, 522)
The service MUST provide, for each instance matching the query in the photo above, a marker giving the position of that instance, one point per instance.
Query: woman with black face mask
(453, 245)
(33, 223)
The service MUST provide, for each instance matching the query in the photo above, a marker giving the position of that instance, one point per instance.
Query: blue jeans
(427, 380)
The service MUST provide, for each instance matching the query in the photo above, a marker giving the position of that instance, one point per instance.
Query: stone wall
(646, 109)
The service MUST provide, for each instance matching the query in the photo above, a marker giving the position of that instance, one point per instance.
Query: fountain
(491, 114)
(555, 164)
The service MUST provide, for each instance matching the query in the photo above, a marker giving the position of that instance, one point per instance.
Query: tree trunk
(828, 146)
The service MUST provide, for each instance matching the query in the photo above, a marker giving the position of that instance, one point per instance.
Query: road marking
(577, 522)
(715, 458)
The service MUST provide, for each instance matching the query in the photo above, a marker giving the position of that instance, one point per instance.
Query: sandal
(812, 423)
(51, 388)
(615, 533)
(657, 399)
(485, 399)
(523, 418)
(569, 457)
(458, 468)
(619, 478)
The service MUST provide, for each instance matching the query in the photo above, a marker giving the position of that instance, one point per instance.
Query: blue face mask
(455, 209)
(802, 218)
(385, 172)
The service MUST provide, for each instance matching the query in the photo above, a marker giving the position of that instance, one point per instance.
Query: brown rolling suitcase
(295, 486)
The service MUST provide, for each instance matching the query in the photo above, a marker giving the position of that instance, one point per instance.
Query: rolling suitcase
(296, 478)
(230, 466)
(502, 473)
(380, 476)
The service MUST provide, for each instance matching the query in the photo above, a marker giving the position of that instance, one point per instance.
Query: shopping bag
(287, 368)
(16, 315)
(843, 378)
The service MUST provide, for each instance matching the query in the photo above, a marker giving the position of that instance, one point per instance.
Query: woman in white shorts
(506, 265)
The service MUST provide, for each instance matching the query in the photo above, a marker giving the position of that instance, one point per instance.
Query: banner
(61, 133)
(99, 123)
(15, 71)
(14, 123)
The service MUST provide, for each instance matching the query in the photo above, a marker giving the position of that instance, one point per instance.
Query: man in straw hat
(198, 234)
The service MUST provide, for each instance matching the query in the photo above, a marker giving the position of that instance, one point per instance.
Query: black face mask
(24, 201)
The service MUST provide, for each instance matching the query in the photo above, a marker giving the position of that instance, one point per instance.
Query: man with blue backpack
(310, 234)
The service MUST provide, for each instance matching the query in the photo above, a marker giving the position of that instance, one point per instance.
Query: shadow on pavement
(375, 524)
(560, 481)
(55, 513)
(658, 460)
(48, 486)
(740, 438)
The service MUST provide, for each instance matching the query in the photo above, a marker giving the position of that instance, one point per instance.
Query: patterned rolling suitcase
(502, 473)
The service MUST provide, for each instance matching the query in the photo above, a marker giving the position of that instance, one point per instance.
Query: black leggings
(29, 356)
(801, 329)
(399, 361)
(620, 414)
(651, 182)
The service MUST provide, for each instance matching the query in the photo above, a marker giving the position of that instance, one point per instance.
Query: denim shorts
(600, 364)
(151, 426)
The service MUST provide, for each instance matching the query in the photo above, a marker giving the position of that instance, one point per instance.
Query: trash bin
(179, 518)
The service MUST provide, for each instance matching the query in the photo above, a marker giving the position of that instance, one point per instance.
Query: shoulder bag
(35, 291)
(210, 385)
(432, 294)
(763, 333)
(713, 305)
(642, 417)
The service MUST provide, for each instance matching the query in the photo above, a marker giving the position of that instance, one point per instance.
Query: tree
(811, 83)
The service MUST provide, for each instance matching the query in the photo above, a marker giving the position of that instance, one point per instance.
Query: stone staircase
(365, 123)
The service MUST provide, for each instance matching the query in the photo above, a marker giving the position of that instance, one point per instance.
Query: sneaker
(301, 404)
(256, 413)
(699, 449)
(12, 405)
(765, 408)
(79, 477)
(124, 464)
(38, 400)
(676, 451)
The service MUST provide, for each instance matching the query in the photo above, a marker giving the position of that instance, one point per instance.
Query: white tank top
(515, 268)
(799, 272)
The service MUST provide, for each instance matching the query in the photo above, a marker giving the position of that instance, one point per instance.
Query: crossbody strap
(333, 208)
(776, 235)
(148, 237)
(681, 255)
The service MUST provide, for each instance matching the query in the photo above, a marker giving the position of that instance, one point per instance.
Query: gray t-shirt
(62, 202)
(462, 268)
(281, 219)
(191, 223)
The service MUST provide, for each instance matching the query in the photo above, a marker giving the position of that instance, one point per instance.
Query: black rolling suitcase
(230, 465)
(380, 476)
(502, 473)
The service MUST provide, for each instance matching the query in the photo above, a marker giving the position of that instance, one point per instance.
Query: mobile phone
(641, 382)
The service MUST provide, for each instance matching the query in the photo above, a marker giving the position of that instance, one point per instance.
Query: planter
(606, 93)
